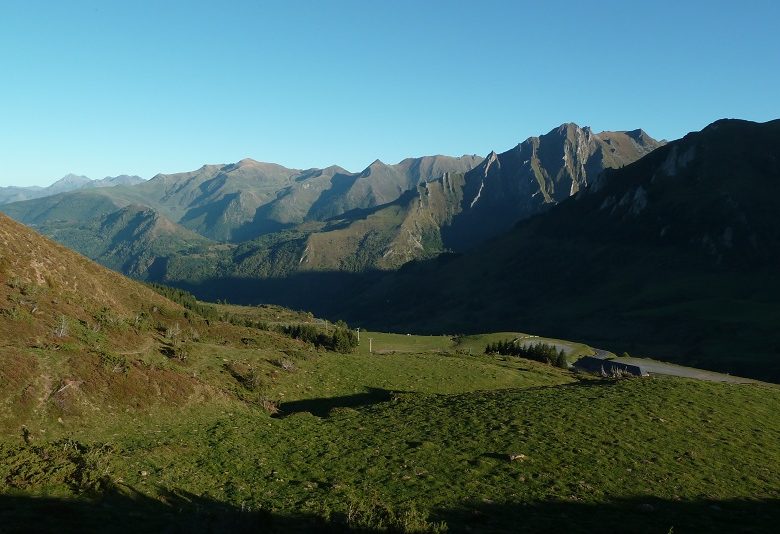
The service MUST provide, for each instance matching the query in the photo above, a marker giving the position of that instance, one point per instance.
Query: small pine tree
(560, 361)
(343, 341)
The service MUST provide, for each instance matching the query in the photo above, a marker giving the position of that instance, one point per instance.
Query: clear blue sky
(107, 87)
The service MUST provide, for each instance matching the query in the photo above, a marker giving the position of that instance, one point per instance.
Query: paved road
(662, 368)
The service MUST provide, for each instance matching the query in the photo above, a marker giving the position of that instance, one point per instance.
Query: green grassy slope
(143, 416)
(636, 456)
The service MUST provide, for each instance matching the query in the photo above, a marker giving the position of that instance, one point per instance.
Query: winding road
(655, 367)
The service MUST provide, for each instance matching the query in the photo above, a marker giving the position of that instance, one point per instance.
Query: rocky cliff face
(380, 183)
(539, 172)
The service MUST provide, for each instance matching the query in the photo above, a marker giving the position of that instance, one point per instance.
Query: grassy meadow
(420, 437)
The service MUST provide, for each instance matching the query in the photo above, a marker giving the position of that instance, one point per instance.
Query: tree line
(342, 339)
(540, 352)
(187, 300)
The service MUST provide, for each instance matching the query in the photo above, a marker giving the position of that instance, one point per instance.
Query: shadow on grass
(645, 514)
(126, 510)
(322, 406)
(123, 509)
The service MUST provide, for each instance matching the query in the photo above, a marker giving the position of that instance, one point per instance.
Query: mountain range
(246, 199)
(69, 182)
(262, 220)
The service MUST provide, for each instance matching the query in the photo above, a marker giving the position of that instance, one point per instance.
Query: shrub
(173, 331)
(270, 406)
(285, 364)
(116, 363)
(343, 340)
(61, 328)
(141, 321)
(105, 318)
(371, 514)
(246, 375)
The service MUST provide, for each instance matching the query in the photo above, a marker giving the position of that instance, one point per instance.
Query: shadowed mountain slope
(675, 255)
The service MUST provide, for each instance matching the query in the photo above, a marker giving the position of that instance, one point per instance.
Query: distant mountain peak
(489, 162)
(252, 165)
(71, 179)
(376, 165)
(69, 182)
(569, 127)
(334, 169)
(247, 162)
(638, 135)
